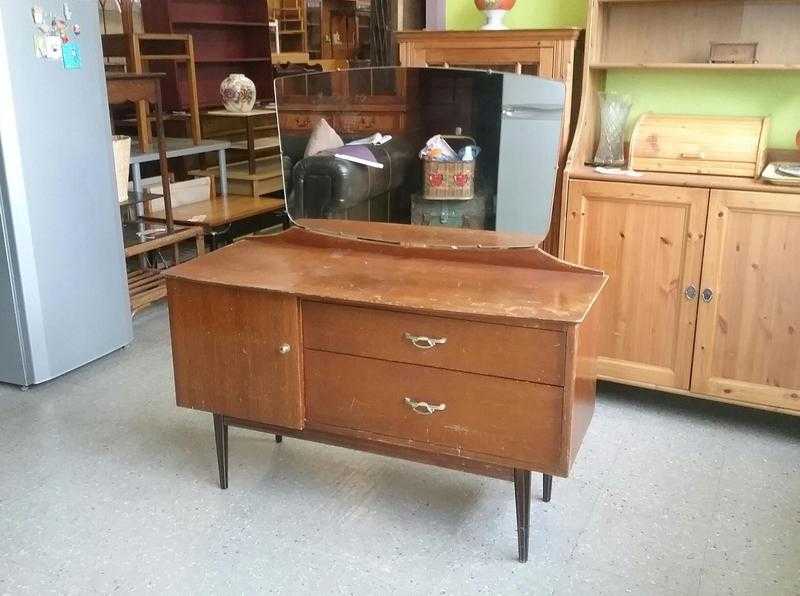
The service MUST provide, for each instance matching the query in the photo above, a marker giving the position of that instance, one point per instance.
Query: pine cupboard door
(649, 240)
(748, 333)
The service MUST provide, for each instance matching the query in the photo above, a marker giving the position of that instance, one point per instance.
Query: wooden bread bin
(715, 145)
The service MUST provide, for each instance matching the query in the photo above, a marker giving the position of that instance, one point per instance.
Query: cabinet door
(748, 333)
(649, 240)
(236, 352)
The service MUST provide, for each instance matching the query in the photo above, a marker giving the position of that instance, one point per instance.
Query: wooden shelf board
(262, 143)
(145, 287)
(176, 57)
(136, 246)
(266, 168)
(203, 23)
(586, 172)
(230, 60)
(689, 66)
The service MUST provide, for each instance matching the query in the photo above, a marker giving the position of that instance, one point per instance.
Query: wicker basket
(449, 180)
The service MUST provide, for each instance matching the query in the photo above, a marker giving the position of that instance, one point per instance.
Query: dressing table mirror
(409, 312)
(385, 116)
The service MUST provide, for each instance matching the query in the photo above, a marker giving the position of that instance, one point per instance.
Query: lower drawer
(471, 413)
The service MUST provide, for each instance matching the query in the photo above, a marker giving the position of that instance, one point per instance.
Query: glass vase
(614, 111)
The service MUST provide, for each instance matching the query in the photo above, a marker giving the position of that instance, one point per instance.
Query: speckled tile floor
(108, 487)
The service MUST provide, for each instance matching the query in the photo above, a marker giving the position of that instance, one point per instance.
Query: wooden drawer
(483, 415)
(514, 352)
(366, 122)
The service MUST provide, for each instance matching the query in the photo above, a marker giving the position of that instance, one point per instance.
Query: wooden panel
(649, 240)
(715, 145)
(369, 395)
(748, 335)
(226, 352)
(524, 286)
(583, 343)
(514, 352)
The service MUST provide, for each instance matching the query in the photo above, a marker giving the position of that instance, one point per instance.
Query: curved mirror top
(429, 156)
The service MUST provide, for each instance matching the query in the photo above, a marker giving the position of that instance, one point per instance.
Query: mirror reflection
(460, 149)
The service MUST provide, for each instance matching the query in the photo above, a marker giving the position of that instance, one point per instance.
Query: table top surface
(517, 286)
(220, 211)
(251, 114)
(176, 148)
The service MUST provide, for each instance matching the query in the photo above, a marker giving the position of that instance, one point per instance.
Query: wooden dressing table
(475, 359)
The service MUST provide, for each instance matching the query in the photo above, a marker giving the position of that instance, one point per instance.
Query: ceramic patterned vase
(238, 93)
(495, 11)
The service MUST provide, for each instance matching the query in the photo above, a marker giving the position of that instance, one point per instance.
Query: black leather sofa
(324, 186)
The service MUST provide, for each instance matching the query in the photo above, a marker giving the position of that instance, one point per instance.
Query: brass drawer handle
(425, 343)
(423, 407)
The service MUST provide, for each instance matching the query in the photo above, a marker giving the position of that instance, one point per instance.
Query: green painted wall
(527, 14)
(702, 92)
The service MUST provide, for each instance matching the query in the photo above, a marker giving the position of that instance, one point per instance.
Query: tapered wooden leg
(547, 487)
(522, 492)
(221, 437)
(279, 438)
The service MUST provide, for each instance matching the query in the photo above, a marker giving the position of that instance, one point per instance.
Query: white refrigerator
(63, 287)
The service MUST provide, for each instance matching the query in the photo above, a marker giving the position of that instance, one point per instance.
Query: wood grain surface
(226, 352)
(369, 395)
(513, 352)
(308, 265)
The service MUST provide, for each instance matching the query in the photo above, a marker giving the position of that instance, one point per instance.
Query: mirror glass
(458, 150)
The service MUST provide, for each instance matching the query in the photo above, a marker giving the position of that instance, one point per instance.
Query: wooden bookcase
(702, 296)
(230, 36)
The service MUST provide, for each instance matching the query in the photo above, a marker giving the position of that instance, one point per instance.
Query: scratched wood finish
(226, 352)
(649, 239)
(309, 265)
(748, 334)
(514, 352)
(369, 395)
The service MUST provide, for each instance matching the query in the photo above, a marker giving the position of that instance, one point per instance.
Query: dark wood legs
(522, 493)
(547, 487)
(279, 438)
(221, 437)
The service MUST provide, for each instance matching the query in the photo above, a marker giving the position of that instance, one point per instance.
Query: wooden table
(480, 360)
(215, 215)
(251, 144)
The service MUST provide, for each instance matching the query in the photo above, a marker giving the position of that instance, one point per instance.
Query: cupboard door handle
(690, 292)
(285, 348)
(697, 155)
(425, 343)
(423, 407)
(708, 295)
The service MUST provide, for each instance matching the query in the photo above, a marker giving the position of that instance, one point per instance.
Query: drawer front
(367, 122)
(470, 413)
(513, 352)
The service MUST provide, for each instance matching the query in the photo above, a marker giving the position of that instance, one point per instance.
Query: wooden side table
(250, 144)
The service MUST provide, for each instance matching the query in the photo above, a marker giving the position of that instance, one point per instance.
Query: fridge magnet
(60, 26)
(39, 44)
(76, 29)
(38, 14)
(67, 12)
(53, 47)
(72, 55)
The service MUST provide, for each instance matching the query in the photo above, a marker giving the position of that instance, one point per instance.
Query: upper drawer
(514, 352)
